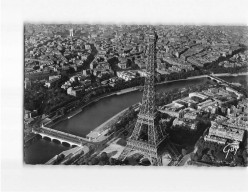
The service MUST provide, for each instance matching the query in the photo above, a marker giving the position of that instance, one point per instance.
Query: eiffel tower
(147, 115)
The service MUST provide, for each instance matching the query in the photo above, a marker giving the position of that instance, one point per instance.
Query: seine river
(97, 113)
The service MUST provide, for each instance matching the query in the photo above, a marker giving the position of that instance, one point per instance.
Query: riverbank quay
(230, 74)
(127, 90)
(99, 133)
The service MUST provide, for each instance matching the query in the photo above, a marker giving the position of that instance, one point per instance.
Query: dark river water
(97, 113)
(41, 151)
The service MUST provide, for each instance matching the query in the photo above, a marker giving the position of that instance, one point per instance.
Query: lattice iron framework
(147, 114)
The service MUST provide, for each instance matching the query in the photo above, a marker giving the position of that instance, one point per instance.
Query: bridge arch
(56, 141)
(39, 136)
(47, 138)
(66, 143)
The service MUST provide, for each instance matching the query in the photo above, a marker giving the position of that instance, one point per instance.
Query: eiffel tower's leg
(136, 131)
(151, 134)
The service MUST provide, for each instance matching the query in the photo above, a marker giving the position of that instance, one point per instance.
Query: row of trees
(106, 159)
(183, 135)
(43, 100)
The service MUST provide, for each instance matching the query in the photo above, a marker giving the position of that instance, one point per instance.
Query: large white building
(199, 95)
(75, 91)
(226, 132)
(126, 75)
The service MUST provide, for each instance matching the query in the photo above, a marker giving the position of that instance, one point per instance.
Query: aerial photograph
(135, 95)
